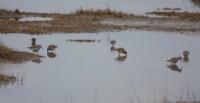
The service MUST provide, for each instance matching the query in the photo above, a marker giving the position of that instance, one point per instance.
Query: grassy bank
(15, 56)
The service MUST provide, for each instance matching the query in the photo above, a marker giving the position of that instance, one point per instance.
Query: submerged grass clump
(5, 78)
(83, 40)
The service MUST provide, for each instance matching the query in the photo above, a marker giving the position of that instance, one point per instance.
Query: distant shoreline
(100, 20)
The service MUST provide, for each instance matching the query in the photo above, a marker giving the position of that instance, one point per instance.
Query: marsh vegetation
(15, 56)
(91, 21)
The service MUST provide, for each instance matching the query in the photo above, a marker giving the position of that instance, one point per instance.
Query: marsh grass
(101, 13)
(66, 23)
(92, 21)
(6, 78)
(16, 56)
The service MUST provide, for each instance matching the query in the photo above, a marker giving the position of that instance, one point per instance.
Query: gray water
(91, 72)
(67, 6)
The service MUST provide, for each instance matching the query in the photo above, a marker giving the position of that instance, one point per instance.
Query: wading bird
(121, 50)
(186, 53)
(51, 47)
(174, 60)
(35, 48)
(186, 56)
(33, 41)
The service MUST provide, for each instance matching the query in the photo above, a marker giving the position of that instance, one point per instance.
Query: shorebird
(33, 41)
(121, 50)
(35, 48)
(113, 42)
(174, 60)
(112, 48)
(51, 47)
(186, 56)
(186, 53)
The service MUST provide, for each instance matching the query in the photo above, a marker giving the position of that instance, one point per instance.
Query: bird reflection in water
(51, 54)
(121, 58)
(37, 60)
(7, 80)
(174, 67)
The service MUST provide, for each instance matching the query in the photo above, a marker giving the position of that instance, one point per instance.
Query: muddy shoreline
(90, 21)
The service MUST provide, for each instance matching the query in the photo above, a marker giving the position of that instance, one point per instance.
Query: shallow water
(91, 72)
(35, 19)
(66, 6)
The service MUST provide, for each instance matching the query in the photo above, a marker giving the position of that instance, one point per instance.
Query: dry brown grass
(61, 23)
(16, 56)
(5, 78)
(102, 13)
(88, 21)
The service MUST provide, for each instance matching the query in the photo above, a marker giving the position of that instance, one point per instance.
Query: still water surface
(91, 72)
(66, 6)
